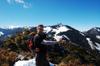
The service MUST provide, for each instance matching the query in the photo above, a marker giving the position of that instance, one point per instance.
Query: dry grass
(7, 57)
(74, 64)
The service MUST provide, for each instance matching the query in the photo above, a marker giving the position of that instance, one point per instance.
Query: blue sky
(80, 14)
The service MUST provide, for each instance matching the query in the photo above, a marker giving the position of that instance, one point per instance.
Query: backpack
(30, 43)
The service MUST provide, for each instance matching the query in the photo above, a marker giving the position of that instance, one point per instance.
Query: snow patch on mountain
(59, 29)
(82, 34)
(66, 37)
(98, 37)
(90, 43)
(47, 29)
(98, 46)
(30, 62)
(1, 33)
(58, 38)
(98, 30)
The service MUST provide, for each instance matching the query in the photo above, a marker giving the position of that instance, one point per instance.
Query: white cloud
(20, 1)
(26, 5)
(23, 3)
(9, 1)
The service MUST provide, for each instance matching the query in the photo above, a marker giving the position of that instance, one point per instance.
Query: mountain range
(89, 39)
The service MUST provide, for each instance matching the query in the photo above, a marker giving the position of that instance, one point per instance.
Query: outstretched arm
(49, 42)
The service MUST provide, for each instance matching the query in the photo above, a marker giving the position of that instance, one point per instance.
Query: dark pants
(41, 60)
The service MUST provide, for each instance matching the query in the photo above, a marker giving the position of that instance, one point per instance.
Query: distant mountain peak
(10, 27)
(60, 24)
(97, 28)
(94, 31)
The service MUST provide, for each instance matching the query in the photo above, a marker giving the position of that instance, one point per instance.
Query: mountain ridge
(63, 31)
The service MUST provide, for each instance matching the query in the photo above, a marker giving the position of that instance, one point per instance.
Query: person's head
(40, 28)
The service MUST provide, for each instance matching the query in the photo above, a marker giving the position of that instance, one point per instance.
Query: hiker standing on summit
(41, 50)
(40, 47)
